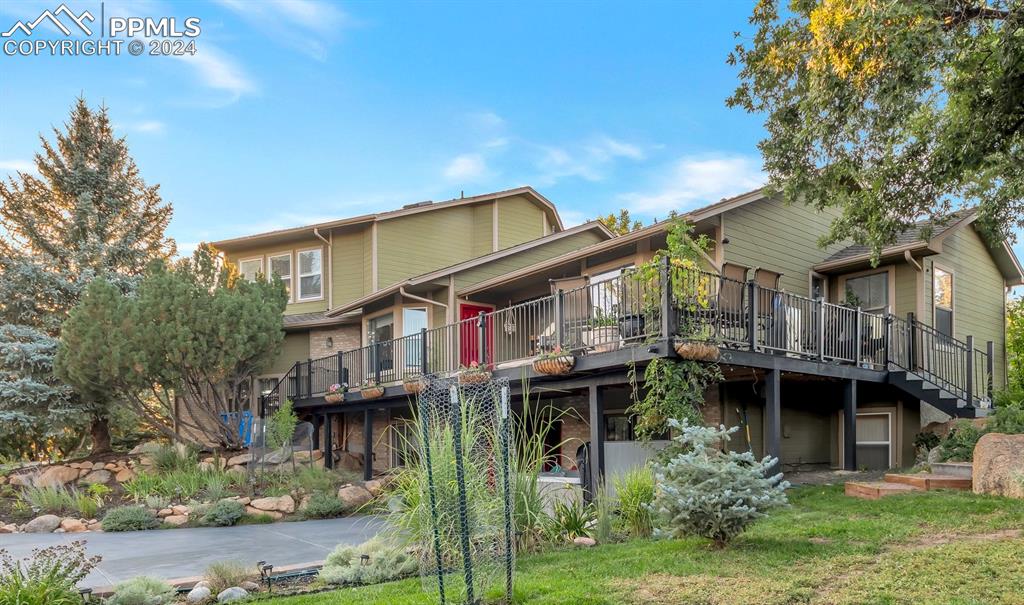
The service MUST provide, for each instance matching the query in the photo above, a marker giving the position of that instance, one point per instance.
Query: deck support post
(368, 445)
(309, 377)
(970, 370)
(773, 416)
(990, 350)
(424, 368)
(752, 313)
(668, 327)
(559, 318)
(328, 440)
(481, 337)
(850, 425)
(596, 401)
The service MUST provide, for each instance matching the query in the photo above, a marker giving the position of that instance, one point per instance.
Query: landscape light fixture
(86, 594)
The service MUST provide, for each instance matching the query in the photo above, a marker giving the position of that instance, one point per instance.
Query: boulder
(255, 511)
(281, 504)
(238, 468)
(57, 475)
(110, 466)
(98, 466)
(242, 499)
(124, 475)
(998, 467)
(176, 520)
(98, 476)
(164, 512)
(199, 594)
(249, 586)
(42, 524)
(354, 496)
(73, 526)
(584, 541)
(277, 457)
(181, 509)
(235, 593)
(23, 479)
(374, 486)
(351, 462)
(239, 460)
(8, 529)
(95, 526)
(146, 447)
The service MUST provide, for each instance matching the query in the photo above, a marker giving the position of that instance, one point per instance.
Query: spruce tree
(88, 213)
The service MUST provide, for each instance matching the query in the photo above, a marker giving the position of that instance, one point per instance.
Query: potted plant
(603, 332)
(336, 393)
(415, 383)
(371, 389)
(697, 350)
(554, 362)
(474, 373)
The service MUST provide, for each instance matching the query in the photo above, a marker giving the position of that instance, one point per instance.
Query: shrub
(1008, 416)
(48, 498)
(170, 458)
(281, 425)
(635, 490)
(604, 513)
(257, 519)
(959, 443)
(216, 487)
(223, 514)
(183, 484)
(142, 590)
(84, 504)
(323, 506)
(49, 576)
(707, 492)
(572, 520)
(313, 480)
(142, 486)
(386, 561)
(225, 574)
(129, 518)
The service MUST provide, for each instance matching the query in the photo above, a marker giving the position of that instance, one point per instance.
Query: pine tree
(87, 214)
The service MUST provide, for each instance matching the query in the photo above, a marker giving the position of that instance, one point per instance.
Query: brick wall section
(382, 438)
(575, 429)
(712, 406)
(345, 338)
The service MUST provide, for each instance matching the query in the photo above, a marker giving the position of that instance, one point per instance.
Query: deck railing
(635, 308)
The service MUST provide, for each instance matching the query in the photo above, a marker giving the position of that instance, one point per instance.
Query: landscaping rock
(98, 466)
(164, 512)
(73, 526)
(42, 524)
(176, 520)
(249, 586)
(23, 480)
(8, 529)
(234, 593)
(354, 496)
(584, 541)
(277, 457)
(124, 475)
(98, 476)
(281, 504)
(374, 486)
(242, 499)
(181, 509)
(95, 526)
(255, 511)
(57, 475)
(199, 594)
(999, 465)
(239, 459)
(351, 462)
(110, 466)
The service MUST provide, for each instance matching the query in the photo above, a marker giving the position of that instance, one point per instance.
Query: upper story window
(310, 274)
(250, 268)
(942, 300)
(281, 266)
(869, 292)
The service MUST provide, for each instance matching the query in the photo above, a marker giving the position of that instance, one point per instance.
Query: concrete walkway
(177, 553)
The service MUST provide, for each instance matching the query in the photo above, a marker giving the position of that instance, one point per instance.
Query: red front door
(469, 334)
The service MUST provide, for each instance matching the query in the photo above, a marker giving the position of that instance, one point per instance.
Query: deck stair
(938, 396)
(902, 483)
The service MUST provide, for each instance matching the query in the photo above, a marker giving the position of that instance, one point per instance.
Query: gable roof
(409, 209)
(596, 226)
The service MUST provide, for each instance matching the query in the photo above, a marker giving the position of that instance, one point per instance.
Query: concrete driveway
(177, 553)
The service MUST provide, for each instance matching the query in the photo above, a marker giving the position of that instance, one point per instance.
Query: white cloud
(486, 120)
(606, 148)
(153, 126)
(466, 167)
(13, 166)
(219, 71)
(694, 181)
(305, 25)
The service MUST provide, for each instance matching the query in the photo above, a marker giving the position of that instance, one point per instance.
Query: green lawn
(935, 547)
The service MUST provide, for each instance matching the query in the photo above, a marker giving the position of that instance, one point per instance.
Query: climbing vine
(673, 389)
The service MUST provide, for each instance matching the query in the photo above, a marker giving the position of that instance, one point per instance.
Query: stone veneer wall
(345, 338)
(349, 431)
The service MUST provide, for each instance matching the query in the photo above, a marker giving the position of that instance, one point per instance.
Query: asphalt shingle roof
(906, 238)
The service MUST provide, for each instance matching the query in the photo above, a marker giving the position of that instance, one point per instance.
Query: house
(829, 362)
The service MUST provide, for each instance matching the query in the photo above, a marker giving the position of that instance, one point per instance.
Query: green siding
(420, 243)
(295, 348)
(368, 260)
(978, 293)
(525, 258)
(348, 267)
(778, 237)
(292, 247)
(906, 290)
(519, 220)
(483, 229)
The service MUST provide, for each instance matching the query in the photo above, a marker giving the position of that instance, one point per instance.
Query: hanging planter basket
(334, 397)
(554, 366)
(415, 385)
(697, 351)
(474, 377)
(372, 392)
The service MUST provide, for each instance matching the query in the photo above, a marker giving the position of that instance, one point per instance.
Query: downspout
(330, 261)
(919, 289)
(401, 290)
(910, 259)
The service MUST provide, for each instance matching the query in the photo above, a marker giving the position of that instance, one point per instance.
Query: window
(310, 274)
(874, 444)
(942, 300)
(414, 319)
(250, 268)
(281, 266)
(870, 292)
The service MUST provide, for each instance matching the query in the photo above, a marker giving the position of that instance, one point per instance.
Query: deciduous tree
(891, 111)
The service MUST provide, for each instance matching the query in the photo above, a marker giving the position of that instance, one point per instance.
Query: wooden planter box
(415, 386)
(697, 351)
(372, 392)
(554, 366)
(474, 377)
(334, 397)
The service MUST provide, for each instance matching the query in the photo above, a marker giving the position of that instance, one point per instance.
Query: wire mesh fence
(465, 453)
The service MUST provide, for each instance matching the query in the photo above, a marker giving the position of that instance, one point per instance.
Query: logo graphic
(78, 20)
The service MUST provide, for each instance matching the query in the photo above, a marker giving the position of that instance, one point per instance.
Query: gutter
(402, 291)
(330, 255)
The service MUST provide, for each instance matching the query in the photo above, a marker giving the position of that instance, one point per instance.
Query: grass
(933, 547)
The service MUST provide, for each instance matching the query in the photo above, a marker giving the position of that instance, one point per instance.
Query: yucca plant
(572, 519)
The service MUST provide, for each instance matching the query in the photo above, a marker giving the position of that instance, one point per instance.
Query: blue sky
(296, 111)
